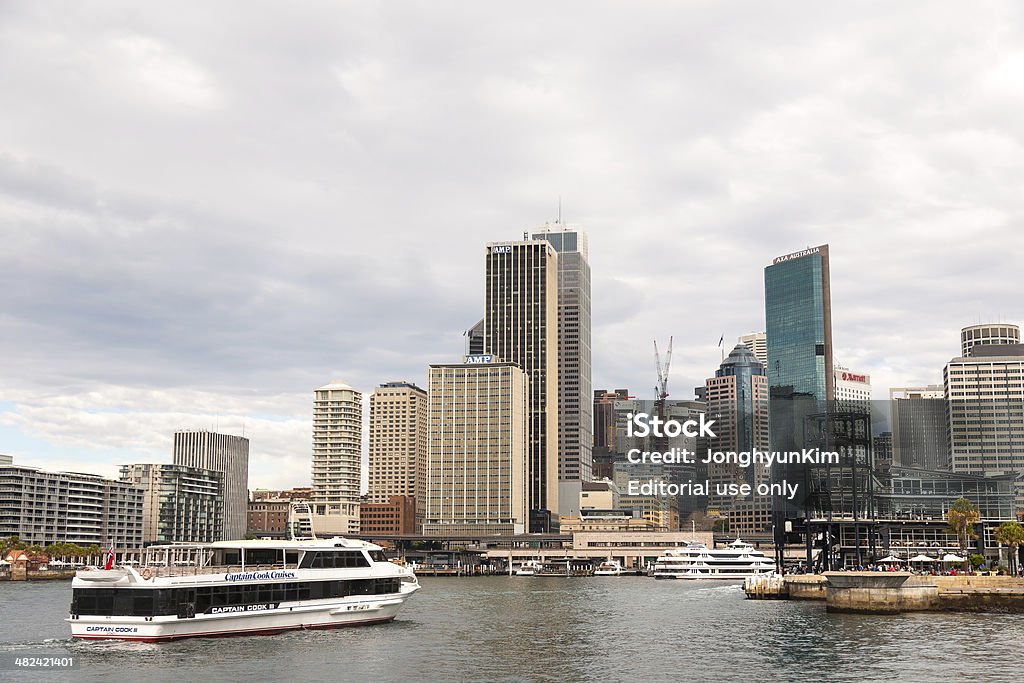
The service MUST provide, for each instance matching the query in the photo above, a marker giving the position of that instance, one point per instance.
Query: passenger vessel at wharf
(229, 588)
(696, 561)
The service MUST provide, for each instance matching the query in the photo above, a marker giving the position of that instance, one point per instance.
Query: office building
(919, 431)
(477, 471)
(475, 342)
(6, 459)
(223, 453)
(575, 421)
(603, 453)
(268, 518)
(398, 442)
(798, 316)
(737, 401)
(985, 412)
(180, 504)
(396, 516)
(337, 459)
(757, 342)
(521, 327)
(986, 335)
(42, 508)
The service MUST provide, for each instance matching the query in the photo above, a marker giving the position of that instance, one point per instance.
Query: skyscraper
(575, 420)
(757, 342)
(985, 403)
(521, 327)
(476, 471)
(222, 453)
(919, 437)
(798, 317)
(337, 458)
(737, 400)
(475, 343)
(398, 441)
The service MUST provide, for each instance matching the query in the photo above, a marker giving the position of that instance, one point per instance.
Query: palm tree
(962, 516)
(1010, 534)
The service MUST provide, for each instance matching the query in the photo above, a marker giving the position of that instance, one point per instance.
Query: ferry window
(378, 556)
(292, 557)
(262, 556)
(232, 558)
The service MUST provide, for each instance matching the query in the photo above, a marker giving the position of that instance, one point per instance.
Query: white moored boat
(696, 561)
(609, 568)
(529, 568)
(240, 588)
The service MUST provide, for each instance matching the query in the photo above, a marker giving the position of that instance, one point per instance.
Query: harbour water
(546, 629)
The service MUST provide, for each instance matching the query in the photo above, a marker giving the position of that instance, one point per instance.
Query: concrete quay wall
(896, 592)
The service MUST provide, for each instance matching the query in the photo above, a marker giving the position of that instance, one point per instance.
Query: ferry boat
(609, 568)
(696, 561)
(229, 588)
(529, 568)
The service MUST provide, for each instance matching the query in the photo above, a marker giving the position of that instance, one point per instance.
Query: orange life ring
(146, 573)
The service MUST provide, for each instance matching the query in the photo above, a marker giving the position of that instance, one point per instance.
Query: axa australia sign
(796, 255)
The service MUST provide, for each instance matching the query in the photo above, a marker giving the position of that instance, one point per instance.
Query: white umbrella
(922, 558)
(4, 562)
(950, 557)
(891, 558)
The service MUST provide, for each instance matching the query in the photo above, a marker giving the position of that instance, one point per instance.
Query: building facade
(180, 504)
(737, 401)
(603, 453)
(395, 517)
(268, 518)
(919, 431)
(757, 342)
(986, 335)
(224, 453)
(398, 442)
(50, 507)
(575, 421)
(985, 412)
(337, 458)
(521, 327)
(477, 471)
(798, 316)
(852, 389)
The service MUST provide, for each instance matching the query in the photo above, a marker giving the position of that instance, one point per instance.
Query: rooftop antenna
(559, 221)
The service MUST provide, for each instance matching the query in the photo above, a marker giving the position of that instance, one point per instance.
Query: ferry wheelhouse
(239, 588)
(696, 561)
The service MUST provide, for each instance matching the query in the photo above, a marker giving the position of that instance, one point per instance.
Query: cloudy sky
(210, 209)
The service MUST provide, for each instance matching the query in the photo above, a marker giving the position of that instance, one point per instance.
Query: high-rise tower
(222, 453)
(521, 327)
(337, 458)
(575, 418)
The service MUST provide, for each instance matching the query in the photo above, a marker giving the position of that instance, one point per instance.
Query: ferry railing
(195, 570)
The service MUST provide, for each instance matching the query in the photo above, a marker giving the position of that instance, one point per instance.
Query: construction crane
(661, 390)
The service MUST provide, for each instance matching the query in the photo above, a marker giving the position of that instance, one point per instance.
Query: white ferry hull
(336, 615)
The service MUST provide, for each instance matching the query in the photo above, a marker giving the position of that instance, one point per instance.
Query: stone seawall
(896, 592)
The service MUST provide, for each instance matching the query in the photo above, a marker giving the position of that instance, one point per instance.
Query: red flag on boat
(110, 557)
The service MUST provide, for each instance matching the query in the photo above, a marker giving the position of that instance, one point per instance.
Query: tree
(962, 516)
(1010, 534)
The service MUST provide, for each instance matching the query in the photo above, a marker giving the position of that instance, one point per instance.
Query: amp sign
(502, 249)
(479, 360)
